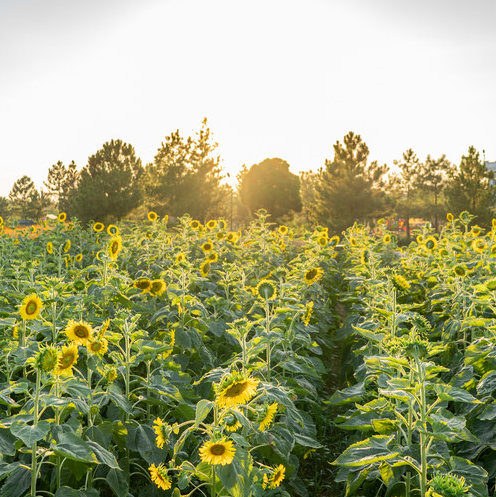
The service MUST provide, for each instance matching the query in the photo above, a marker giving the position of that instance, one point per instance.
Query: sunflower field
(150, 360)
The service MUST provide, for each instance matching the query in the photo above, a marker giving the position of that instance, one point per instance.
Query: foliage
(271, 186)
(108, 185)
(61, 184)
(25, 200)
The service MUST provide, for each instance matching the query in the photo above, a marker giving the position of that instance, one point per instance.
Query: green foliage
(108, 185)
(61, 184)
(25, 200)
(271, 186)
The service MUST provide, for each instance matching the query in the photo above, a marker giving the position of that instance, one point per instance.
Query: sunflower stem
(267, 331)
(34, 471)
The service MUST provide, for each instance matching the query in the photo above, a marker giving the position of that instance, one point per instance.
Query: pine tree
(61, 184)
(25, 198)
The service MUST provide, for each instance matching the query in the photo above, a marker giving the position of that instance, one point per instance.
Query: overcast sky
(275, 78)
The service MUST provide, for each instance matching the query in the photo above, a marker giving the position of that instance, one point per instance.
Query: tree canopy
(61, 183)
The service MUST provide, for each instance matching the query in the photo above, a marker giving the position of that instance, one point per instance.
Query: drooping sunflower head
(212, 224)
(308, 313)
(152, 216)
(205, 268)
(162, 432)
(79, 332)
(98, 347)
(236, 389)
(157, 287)
(143, 284)
(207, 246)
(159, 476)
(267, 416)
(266, 290)
(31, 307)
(196, 225)
(230, 421)
(47, 359)
(67, 246)
(110, 374)
(114, 247)
(98, 227)
(1, 221)
(312, 275)
(112, 230)
(465, 217)
(67, 359)
(460, 270)
(79, 285)
(212, 257)
(219, 452)
(476, 230)
(49, 248)
(61, 217)
(283, 229)
(449, 217)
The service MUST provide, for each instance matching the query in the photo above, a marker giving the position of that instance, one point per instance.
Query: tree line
(186, 177)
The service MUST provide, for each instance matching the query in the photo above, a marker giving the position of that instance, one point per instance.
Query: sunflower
(31, 307)
(430, 242)
(114, 247)
(166, 219)
(277, 476)
(205, 268)
(313, 275)
(67, 246)
(493, 223)
(79, 332)
(67, 359)
(143, 284)
(222, 224)
(400, 282)
(207, 246)
(152, 216)
(353, 241)
(98, 347)
(61, 217)
(78, 258)
(110, 374)
(232, 237)
(1, 221)
(212, 224)
(449, 217)
(157, 287)
(308, 313)
(476, 230)
(479, 245)
(49, 248)
(268, 416)
(266, 290)
(98, 227)
(196, 225)
(168, 338)
(237, 389)
(159, 476)
(212, 257)
(220, 235)
(334, 240)
(70, 227)
(460, 270)
(112, 230)
(217, 453)
(180, 257)
(231, 422)
(47, 359)
(322, 241)
(386, 239)
(283, 230)
(162, 431)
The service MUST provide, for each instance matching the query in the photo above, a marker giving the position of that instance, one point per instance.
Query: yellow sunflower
(283, 230)
(143, 284)
(334, 240)
(67, 246)
(222, 224)
(205, 268)
(157, 287)
(196, 225)
(78, 258)
(313, 275)
(98, 227)
(308, 313)
(386, 238)
(62, 217)
(1, 221)
(232, 237)
(49, 247)
(152, 216)
(237, 389)
(47, 358)
(217, 453)
(112, 230)
(207, 246)
(114, 247)
(212, 257)
(31, 307)
(277, 476)
(266, 290)
(430, 242)
(211, 225)
(180, 257)
(168, 338)
(353, 241)
(268, 416)
(230, 421)
(98, 347)
(449, 217)
(479, 245)
(158, 475)
(162, 431)
(70, 227)
(67, 359)
(220, 235)
(322, 241)
(79, 332)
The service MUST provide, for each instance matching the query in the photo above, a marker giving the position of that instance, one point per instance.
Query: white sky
(275, 78)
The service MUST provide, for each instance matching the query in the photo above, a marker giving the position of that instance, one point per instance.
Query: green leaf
(348, 395)
(386, 473)
(202, 409)
(103, 456)
(17, 483)
(306, 441)
(384, 426)
(7, 441)
(118, 482)
(447, 392)
(29, 433)
(73, 447)
(67, 492)
(368, 451)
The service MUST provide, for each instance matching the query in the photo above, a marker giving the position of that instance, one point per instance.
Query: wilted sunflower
(31, 307)
(47, 359)
(212, 224)
(49, 247)
(98, 227)
(212, 257)
(67, 246)
(159, 476)
(162, 432)
(266, 290)
(79, 332)
(98, 347)
(114, 247)
(207, 246)
(196, 225)
(61, 217)
(205, 268)
(217, 453)
(268, 416)
(152, 216)
(67, 359)
(143, 284)
(313, 275)
(237, 389)
(112, 230)
(157, 287)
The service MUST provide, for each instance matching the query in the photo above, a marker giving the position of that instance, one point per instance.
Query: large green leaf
(29, 433)
(73, 447)
(202, 409)
(17, 483)
(118, 482)
(371, 450)
(447, 392)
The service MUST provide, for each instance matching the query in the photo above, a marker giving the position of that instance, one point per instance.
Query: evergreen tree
(108, 186)
(348, 189)
(61, 184)
(471, 187)
(25, 198)
(4, 207)
(185, 177)
(270, 186)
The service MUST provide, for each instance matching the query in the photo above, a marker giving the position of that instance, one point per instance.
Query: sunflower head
(430, 242)
(98, 347)
(465, 217)
(152, 216)
(31, 307)
(386, 239)
(112, 230)
(114, 247)
(211, 225)
(157, 287)
(322, 241)
(460, 270)
(47, 359)
(162, 432)
(283, 230)
(196, 225)
(400, 282)
(207, 246)
(79, 332)
(220, 452)
(232, 237)
(449, 217)
(110, 374)
(266, 290)
(267, 416)
(308, 313)
(98, 227)
(79, 285)
(277, 476)
(205, 268)
(312, 275)
(67, 359)
(143, 284)
(479, 245)
(212, 257)
(333, 241)
(78, 258)
(67, 246)
(230, 421)
(159, 476)
(180, 258)
(220, 235)
(236, 389)
(61, 217)
(447, 485)
(49, 248)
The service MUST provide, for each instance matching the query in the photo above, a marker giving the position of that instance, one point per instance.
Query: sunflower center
(114, 247)
(236, 389)
(31, 307)
(81, 332)
(277, 475)
(67, 360)
(96, 346)
(311, 274)
(217, 449)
